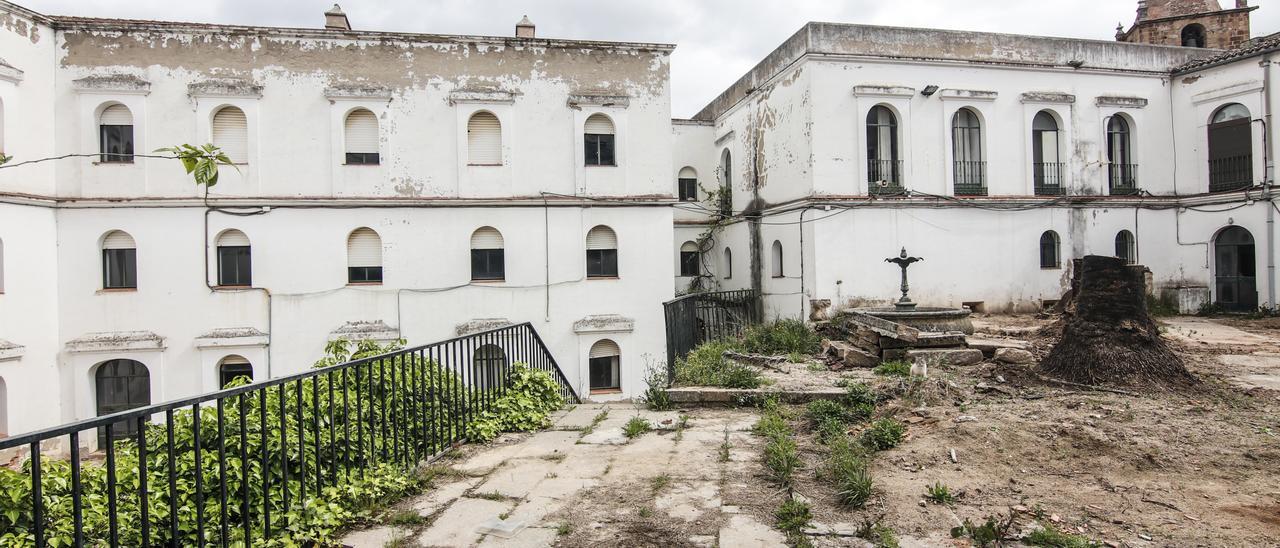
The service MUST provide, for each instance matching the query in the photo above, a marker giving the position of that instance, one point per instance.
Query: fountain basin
(925, 318)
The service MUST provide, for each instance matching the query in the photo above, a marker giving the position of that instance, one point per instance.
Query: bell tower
(1189, 23)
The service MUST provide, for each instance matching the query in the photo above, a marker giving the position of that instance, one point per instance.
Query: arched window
(489, 365)
(726, 183)
(115, 134)
(1193, 36)
(598, 139)
(969, 169)
(602, 253)
(1046, 163)
(1121, 169)
(605, 362)
(1230, 149)
(884, 169)
(119, 261)
(690, 259)
(364, 257)
(484, 140)
(777, 259)
(1049, 250)
(360, 132)
(727, 267)
(234, 259)
(231, 133)
(687, 182)
(121, 385)
(232, 368)
(1125, 248)
(488, 258)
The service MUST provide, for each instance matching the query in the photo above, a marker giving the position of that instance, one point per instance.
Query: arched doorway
(1234, 277)
(121, 385)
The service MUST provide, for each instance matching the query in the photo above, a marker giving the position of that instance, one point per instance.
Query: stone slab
(439, 497)
(516, 478)
(489, 458)
(689, 500)
(585, 461)
(704, 395)
(456, 526)
(949, 356)
(530, 537)
(951, 339)
(581, 416)
(605, 436)
(548, 443)
(743, 531)
(377, 537)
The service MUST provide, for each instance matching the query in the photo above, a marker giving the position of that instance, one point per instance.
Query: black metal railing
(260, 451)
(884, 177)
(1122, 179)
(1048, 178)
(1230, 173)
(700, 317)
(970, 178)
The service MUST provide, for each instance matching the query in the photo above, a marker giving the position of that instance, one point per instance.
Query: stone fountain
(934, 319)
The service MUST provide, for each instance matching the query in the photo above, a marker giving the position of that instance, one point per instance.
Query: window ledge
(232, 287)
(116, 290)
(363, 283)
(1059, 267)
(603, 278)
(601, 165)
(497, 281)
(602, 391)
(357, 165)
(484, 165)
(101, 163)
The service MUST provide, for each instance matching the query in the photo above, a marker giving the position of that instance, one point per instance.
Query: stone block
(929, 340)
(947, 356)
(1014, 356)
(852, 356)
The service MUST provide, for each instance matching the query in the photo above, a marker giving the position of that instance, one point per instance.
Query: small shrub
(847, 469)
(405, 518)
(793, 516)
(782, 459)
(819, 411)
(782, 337)
(878, 534)
(600, 417)
(771, 425)
(883, 434)
(1050, 537)
(830, 429)
(707, 366)
(635, 427)
(939, 493)
(989, 533)
(859, 393)
(893, 369)
(530, 397)
(655, 395)
(660, 483)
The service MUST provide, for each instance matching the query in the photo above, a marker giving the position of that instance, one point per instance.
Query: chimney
(334, 19)
(1142, 10)
(1242, 4)
(525, 28)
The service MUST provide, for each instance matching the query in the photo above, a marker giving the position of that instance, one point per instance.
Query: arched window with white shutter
(233, 367)
(364, 257)
(360, 133)
(231, 133)
(687, 184)
(115, 134)
(602, 253)
(690, 259)
(488, 260)
(598, 136)
(119, 261)
(484, 139)
(605, 362)
(235, 267)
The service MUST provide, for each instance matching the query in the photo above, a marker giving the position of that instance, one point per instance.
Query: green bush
(782, 337)
(989, 533)
(358, 425)
(707, 366)
(893, 369)
(847, 469)
(824, 410)
(782, 459)
(655, 395)
(858, 394)
(635, 427)
(793, 516)
(883, 434)
(1050, 537)
(878, 534)
(771, 425)
(526, 405)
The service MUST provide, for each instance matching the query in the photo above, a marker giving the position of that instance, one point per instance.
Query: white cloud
(717, 40)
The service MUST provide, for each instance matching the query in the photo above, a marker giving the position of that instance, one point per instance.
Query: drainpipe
(1268, 177)
(802, 295)
(270, 331)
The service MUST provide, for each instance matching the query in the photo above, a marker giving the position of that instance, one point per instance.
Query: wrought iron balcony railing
(1230, 173)
(1122, 179)
(970, 178)
(884, 177)
(1048, 178)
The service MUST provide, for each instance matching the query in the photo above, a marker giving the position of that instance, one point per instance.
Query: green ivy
(531, 395)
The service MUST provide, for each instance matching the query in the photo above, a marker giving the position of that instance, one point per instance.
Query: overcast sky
(717, 40)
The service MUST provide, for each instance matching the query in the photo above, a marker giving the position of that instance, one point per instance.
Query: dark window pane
(688, 190)
(364, 274)
(119, 269)
(234, 266)
(602, 263)
(604, 374)
(606, 150)
(689, 263)
(487, 264)
(231, 371)
(116, 143)
(362, 158)
(591, 149)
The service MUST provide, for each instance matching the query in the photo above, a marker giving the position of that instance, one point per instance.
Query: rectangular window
(604, 373)
(688, 190)
(599, 149)
(689, 263)
(234, 267)
(364, 274)
(116, 143)
(602, 263)
(362, 158)
(488, 264)
(119, 269)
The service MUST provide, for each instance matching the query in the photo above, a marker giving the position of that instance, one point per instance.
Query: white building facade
(389, 186)
(998, 162)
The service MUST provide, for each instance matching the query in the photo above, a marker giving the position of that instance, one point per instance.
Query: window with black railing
(1122, 173)
(287, 459)
(1230, 149)
(884, 166)
(1046, 165)
(1230, 173)
(970, 178)
(1047, 177)
(968, 169)
(1122, 179)
(884, 176)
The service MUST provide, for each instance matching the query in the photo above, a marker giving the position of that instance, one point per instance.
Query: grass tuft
(707, 366)
(847, 469)
(1051, 537)
(790, 337)
(635, 427)
(883, 434)
(939, 493)
(893, 369)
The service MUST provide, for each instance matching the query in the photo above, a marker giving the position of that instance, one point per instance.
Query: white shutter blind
(116, 115)
(602, 237)
(234, 360)
(362, 132)
(364, 248)
(118, 239)
(231, 133)
(604, 349)
(689, 246)
(486, 238)
(233, 238)
(599, 124)
(484, 139)
(688, 173)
